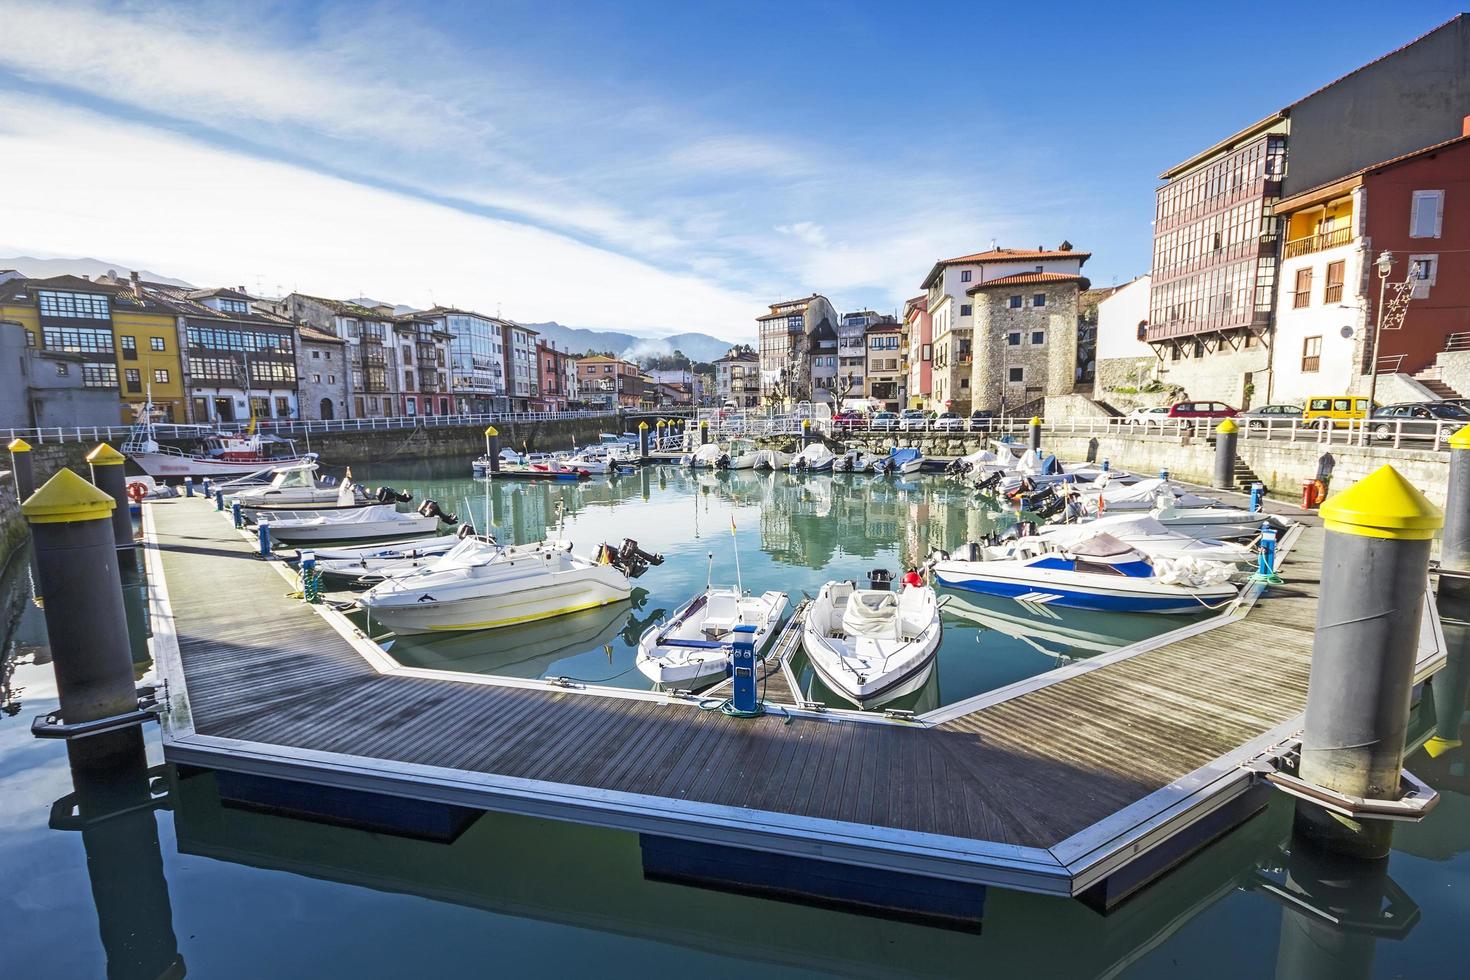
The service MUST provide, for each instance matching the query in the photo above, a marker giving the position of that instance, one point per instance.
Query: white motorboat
(483, 585)
(375, 521)
(1139, 531)
(706, 457)
(904, 461)
(872, 645)
(1216, 522)
(855, 461)
(294, 486)
(214, 454)
(771, 459)
(740, 456)
(1143, 495)
(814, 458)
(1101, 573)
(689, 651)
(370, 565)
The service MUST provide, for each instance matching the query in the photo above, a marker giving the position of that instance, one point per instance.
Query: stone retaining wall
(12, 526)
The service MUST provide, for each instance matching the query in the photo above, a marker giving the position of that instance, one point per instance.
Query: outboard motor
(989, 484)
(630, 559)
(723, 461)
(880, 580)
(468, 531)
(431, 508)
(388, 495)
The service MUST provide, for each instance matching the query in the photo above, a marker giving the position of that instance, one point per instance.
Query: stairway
(1245, 476)
(1430, 379)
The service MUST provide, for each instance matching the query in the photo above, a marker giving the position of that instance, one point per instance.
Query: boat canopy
(1102, 546)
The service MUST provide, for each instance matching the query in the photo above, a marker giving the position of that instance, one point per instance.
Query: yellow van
(1335, 410)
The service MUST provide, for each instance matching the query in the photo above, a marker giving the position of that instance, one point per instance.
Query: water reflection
(22, 629)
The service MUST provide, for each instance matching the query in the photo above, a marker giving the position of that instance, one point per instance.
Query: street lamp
(1384, 264)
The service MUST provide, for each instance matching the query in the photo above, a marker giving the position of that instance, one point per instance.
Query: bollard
(107, 476)
(76, 567)
(1106, 467)
(263, 534)
(1266, 558)
(704, 432)
(643, 439)
(492, 447)
(23, 468)
(236, 514)
(806, 432)
(1375, 564)
(1035, 433)
(188, 486)
(1258, 497)
(658, 433)
(1164, 473)
(219, 499)
(311, 580)
(1450, 685)
(1226, 434)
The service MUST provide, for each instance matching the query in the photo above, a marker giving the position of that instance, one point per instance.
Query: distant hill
(696, 346)
(92, 268)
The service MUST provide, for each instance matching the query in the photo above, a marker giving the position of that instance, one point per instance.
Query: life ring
(137, 491)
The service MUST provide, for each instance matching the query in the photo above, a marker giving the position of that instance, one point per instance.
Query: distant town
(1309, 254)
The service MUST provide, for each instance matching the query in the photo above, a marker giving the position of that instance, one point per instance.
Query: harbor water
(188, 884)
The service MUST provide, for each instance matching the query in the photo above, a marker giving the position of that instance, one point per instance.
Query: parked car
(947, 422)
(1147, 417)
(1271, 415)
(981, 420)
(1417, 420)
(883, 421)
(1335, 411)
(1202, 410)
(913, 420)
(848, 420)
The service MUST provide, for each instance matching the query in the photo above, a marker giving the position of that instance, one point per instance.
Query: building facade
(558, 376)
(919, 352)
(884, 368)
(523, 376)
(1124, 356)
(1025, 340)
(422, 364)
(737, 379)
(852, 353)
(477, 375)
(372, 373)
(1417, 209)
(608, 383)
(40, 387)
(321, 374)
(240, 361)
(788, 340)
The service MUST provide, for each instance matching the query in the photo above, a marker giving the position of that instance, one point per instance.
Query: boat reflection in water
(1065, 634)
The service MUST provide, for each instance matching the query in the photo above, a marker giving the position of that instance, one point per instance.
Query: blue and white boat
(901, 461)
(1101, 573)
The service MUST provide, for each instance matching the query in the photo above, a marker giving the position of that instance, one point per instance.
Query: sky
(648, 167)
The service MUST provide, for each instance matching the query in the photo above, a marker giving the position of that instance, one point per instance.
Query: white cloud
(92, 186)
(806, 232)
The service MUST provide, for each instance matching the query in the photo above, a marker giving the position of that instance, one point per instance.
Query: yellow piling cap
(704, 422)
(642, 425)
(806, 423)
(66, 497)
(1035, 420)
(1437, 746)
(490, 430)
(1382, 505)
(1227, 426)
(105, 455)
(19, 446)
(1461, 439)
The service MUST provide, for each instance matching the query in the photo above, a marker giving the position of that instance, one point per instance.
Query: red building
(558, 376)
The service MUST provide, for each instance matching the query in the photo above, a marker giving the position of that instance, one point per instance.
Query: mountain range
(696, 346)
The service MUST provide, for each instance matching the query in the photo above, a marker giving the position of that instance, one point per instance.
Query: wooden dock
(1088, 780)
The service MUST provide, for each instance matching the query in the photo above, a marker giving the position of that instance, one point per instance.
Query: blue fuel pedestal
(744, 696)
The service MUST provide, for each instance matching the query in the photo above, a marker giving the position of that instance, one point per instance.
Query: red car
(1202, 410)
(848, 420)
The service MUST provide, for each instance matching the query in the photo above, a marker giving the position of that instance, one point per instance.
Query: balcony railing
(1317, 243)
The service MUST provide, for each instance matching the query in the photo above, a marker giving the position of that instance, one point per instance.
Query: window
(78, 340)
(965, 309)
(160, 376)
(1016, 374)
(1423, 270)
(134, 380)
(926, 352)
(1015, 302)
(1039, 299)
(234, 306)
(1013, 339)
(80, 306)
(965, 275)
(1334, 282)
(964, 384)
(1142, 329)
(62, 369)
(316, 379)
(129, 348)
(1303, 293)
(1426, 216)
(1311, 354)
(99, 375)
(316, 355)
(331, 379)
(156, 344)
(1038, 336)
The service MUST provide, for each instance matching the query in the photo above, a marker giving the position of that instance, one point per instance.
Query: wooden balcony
(1318, 243)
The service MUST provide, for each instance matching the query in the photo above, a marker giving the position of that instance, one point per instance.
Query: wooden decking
(1038, 786)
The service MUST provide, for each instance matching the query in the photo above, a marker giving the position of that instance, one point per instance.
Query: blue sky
(656, 167)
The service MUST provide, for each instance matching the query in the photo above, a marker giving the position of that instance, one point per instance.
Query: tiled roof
(319, 336)
(224, 292)
(1005, 255)
(1286, 204)
(1026, 279)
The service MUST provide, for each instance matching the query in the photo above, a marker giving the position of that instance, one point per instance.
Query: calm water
(228, 892)
(794, 533)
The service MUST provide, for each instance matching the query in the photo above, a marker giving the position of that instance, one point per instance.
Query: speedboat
(348, 497)
(374, 563)
(872, 645)
(855, 461)
(355, 524)
(214, 455)
(294, 486)
(1141, 496)
(740, 456)
(771, 459)
(1100, 573)
(706, 457)
(814, 458)
(1139, 531)
(483, 585)
(901, 461)
(690, 650)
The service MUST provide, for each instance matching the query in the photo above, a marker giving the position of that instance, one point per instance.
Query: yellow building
(146, 339)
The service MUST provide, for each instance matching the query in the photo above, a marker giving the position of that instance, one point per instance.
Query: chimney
(137, 287)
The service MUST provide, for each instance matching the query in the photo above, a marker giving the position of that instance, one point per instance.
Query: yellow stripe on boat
(514, 620)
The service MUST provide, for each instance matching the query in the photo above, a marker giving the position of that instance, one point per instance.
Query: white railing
(291, 428)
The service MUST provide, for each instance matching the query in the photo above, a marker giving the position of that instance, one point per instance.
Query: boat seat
(721, 615)
(872, 614)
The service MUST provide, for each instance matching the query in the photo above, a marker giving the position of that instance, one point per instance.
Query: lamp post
(1384, 264)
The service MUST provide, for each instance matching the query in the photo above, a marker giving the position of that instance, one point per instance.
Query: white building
(1123, 356)
(476, 358)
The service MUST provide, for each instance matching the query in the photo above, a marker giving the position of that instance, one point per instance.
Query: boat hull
(1074, 595)
(288, 532)
(539, 599)
(164, 465)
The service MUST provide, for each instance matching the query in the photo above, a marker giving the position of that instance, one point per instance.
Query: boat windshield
(296, 477)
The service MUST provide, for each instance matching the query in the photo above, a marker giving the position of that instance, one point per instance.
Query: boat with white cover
(771, 459)
(291, 486)
(855, 461)
(706, 457)
(740, 456)
(1217, 522)
(814, 458)
(482, 585)
(690, 650)
(374, 563)
(901, 461)
(1101, 573)
(1140, 531)
(872, 645)
(375, 521)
